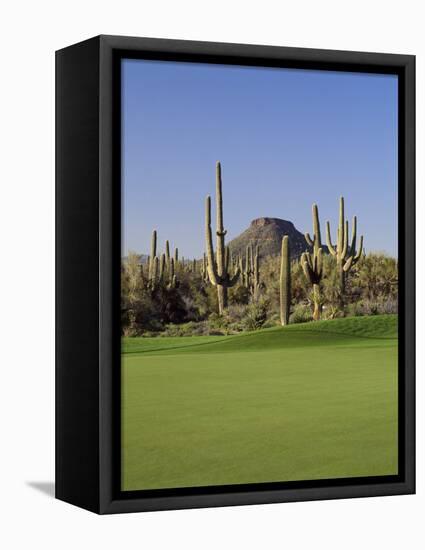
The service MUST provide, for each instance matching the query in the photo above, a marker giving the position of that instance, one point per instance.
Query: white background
(30, 32)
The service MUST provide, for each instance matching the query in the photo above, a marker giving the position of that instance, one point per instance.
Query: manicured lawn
(309, 401)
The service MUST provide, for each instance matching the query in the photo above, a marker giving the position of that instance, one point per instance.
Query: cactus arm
(316, 228)
(360, 251)
(353, 237)
(329, 240)
(308, 239)
(162, 267)
(308, 259)
(306, 267)
(211, 265)
(344, 242)
(314, 263)
(233, 280)
(319, 263)
(341, 225)
(214, 280)
(226, 259)
(348, 263)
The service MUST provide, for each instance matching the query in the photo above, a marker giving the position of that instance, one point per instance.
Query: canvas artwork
(259, 275)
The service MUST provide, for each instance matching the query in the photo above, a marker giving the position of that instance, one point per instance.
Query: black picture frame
(88, 224)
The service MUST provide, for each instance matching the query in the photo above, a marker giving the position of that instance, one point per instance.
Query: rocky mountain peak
(267, 233)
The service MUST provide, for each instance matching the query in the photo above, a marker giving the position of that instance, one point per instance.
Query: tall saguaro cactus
(218, 264)
(312, 263)
(152, 255)
(256, 283)
(285, 281)
(345, 254)
(167, 254)
(247, 268)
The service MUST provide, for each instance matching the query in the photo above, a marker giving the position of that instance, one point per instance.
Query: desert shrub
(300, 288)
(376, 277)
(273, 320)
(355, 309)
(218, 325)
(239, 295)
(235, 313)
(255, 315)
(370, 307)
(332, 311)
(184, 329)
(330, 288)
(389, 306)
(301, 314)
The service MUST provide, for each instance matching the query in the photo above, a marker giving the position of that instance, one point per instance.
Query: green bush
(301, 314)
(255, 315)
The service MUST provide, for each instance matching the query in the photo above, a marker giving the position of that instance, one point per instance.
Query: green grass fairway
(304, 402)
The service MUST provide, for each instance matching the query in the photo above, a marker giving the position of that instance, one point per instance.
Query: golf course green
(302, 402)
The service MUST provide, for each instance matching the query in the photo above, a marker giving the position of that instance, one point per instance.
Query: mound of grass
(375, 326)
(352, 330)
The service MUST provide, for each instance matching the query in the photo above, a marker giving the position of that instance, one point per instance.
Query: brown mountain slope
(268, 233)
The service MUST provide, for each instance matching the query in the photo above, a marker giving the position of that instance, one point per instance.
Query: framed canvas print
(235, 274)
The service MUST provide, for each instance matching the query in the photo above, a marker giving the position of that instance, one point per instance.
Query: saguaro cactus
(152, 254)
(172, 279)
(162, 267)
(250, 270)
(285, 281)
(346, 256)
(159, 270)
(256, 283)
(154, 274)
(167, 254)
(218, 265)
(247, 267)
(204, 269)
(312, 263)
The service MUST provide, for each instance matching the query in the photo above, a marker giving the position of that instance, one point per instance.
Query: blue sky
(285, 137)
